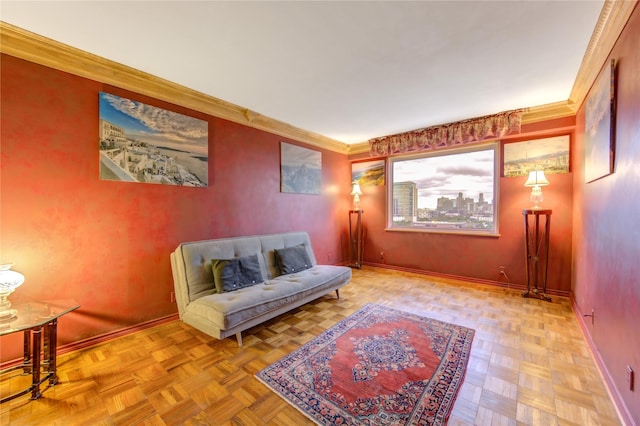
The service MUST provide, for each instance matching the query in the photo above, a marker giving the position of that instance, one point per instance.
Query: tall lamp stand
(355, 238)
(536, 242)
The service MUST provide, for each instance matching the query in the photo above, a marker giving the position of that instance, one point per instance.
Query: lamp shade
(536, 178)
(356, 189)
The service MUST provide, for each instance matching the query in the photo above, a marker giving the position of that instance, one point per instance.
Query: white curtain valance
(458, 133)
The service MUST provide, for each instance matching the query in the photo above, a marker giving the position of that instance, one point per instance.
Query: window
(453, 190)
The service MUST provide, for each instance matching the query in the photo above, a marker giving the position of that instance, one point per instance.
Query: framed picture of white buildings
(146, 144)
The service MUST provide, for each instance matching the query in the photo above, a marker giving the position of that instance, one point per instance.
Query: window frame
(494, 145)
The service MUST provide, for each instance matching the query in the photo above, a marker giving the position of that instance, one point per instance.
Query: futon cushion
(230, 309)
(292, 259)
(234, 274)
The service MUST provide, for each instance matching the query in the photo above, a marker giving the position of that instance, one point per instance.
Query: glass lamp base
(5, 306)
(8, 314)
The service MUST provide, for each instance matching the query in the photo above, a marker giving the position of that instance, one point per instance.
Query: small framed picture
(300, 169)
(368, 173)
(548, 154)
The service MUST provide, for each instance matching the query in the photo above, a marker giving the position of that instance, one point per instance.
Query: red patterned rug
(379, 366)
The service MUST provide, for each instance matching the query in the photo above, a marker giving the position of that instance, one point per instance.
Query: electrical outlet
(503, 273)
(172, 297)
(630, 377)
(381, 255)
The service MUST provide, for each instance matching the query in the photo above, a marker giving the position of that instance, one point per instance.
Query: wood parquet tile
(529, 364)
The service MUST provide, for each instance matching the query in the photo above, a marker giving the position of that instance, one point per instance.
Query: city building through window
(452, 190)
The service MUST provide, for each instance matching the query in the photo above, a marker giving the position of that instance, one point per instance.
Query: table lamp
(9, 281)
(535, 181)
(356, 192)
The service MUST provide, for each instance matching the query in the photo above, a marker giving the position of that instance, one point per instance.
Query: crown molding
(23, 44)
(358, 148)
(614, 16)
(548, 112)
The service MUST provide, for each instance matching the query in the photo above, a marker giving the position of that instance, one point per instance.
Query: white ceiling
(348, 70)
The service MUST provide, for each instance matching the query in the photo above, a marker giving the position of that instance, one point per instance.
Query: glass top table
(38, 320)
(32, 313)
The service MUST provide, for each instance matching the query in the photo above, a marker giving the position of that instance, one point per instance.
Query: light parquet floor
(529, 364)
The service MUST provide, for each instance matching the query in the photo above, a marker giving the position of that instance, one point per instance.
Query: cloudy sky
(521, 151)
(296, 156)
(154, 125)
(446, 175)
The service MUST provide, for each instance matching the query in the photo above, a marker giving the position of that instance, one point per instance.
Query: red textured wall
(607, 234)
(106, 244)
(479, 258)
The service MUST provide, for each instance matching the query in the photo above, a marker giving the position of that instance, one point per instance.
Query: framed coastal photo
(548, 154)
(599, 131)
(300, 169)
(145, 144)
(368, 173)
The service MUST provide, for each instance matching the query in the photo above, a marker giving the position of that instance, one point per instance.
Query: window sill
(445, 231)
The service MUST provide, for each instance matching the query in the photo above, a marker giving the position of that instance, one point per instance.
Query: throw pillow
(292, 259)
(250, 269)
(226, 274)
(234, 274)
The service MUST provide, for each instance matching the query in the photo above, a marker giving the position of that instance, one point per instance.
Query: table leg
(51, 350)
(26, 360)
(35, 358)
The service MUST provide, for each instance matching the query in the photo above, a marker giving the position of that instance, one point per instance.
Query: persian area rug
(379, 366)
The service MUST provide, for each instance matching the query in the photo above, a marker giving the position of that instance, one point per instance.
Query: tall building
(405, 202)
(445, 204)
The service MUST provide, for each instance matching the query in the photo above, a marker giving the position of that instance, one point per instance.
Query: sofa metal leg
(239, 338)
(338, 293)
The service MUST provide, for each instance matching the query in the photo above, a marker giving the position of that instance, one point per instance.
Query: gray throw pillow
(250, 269)
(234, 274)
(292, 259)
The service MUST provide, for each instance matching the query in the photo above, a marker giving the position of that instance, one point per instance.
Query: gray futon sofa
(256, 279)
